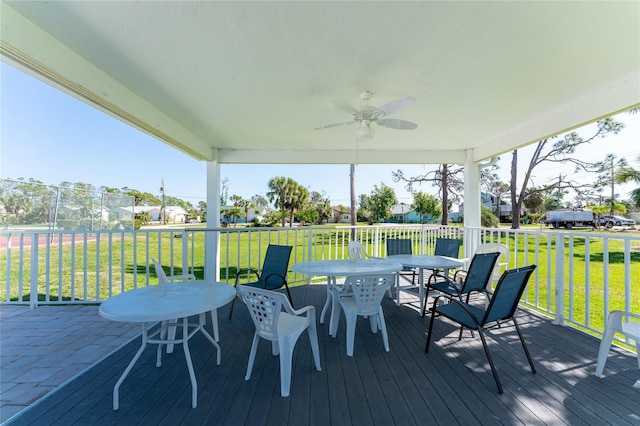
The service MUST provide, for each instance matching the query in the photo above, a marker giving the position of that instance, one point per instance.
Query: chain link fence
(31, 204)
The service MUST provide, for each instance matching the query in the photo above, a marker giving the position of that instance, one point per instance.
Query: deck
(452, 384)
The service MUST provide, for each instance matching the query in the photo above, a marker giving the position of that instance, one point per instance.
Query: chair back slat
(356, 250)
(480, 271)
(507, 294)
(264, 307)
(398, 246)
(449, 247)
(368, 291)
(162, 277)
(276, 262)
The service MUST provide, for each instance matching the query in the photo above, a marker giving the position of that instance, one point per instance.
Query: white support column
(212, 239)
(472, 209)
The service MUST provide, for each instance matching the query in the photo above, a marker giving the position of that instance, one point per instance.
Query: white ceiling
(246, 82)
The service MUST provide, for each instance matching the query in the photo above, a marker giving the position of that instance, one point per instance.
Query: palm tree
(298, 198)
(629, 174)
(278, 188)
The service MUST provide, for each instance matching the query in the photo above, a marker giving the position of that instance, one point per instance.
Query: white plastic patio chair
(164, 279)
(615, 324)
(282, 328)
(357, 251)
(362, 296)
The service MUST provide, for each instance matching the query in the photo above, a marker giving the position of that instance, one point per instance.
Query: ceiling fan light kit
(367, 115)
(365, 132)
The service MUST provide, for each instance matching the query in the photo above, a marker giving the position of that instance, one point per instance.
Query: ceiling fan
(368, 114)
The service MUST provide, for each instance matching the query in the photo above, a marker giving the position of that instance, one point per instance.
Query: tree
(382, 198)
(608, 169)
(488, 219)
(366, 208)
(322, 205)
(309, 215)
(298, 198)
(248, 205)
(224, 192)
(202, 210)
(278, 187)
(260, 201)
(629, 174)
(556, 150)
(499, 190)
(425, 204)
(447, 178)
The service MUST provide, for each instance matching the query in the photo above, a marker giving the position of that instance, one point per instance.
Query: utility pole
(163, 209)
(612, 189)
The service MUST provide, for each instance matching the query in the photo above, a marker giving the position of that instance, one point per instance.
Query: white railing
(594, 272)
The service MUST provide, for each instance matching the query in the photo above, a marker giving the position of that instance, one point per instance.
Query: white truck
(569, 218)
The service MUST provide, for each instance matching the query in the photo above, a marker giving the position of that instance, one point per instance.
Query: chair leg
(524, 346)
(430, 331)
(252, 355)
(426, 297)
(373, 323)
(313, 339)
(490, 359)
(383, 329)
(285, 347)
(231, 308)
(351, 317)
(603, 352)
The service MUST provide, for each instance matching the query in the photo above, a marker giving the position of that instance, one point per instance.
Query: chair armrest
(241, 272)
(459, 271)
(310, 310)
(463, 306)
(283, 280)
(631, 315)
(624, 314)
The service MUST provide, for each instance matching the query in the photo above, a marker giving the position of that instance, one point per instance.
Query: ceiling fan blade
(393, 106)
(397, 124)
(345, 106)
(334, 125)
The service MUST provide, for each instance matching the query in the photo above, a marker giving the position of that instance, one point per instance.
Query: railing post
(33, 285)
(559, 293)
(185, 252)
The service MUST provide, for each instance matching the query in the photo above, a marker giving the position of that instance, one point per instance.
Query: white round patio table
(343, 268)
(423, 261)
(164, 302)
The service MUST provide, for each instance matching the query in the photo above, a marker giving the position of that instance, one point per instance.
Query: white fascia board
(34, 51)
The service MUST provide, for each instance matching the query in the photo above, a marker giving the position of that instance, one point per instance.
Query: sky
(50, 136)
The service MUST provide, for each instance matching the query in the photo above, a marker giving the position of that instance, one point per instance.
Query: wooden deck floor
(452, 384)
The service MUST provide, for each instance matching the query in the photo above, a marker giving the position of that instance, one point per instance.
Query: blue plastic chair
(274, 272)
(401, 246)
(476, 280)
(501, 308)
(448, 247)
